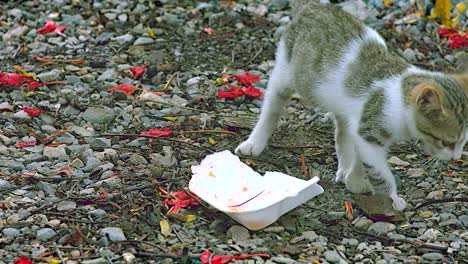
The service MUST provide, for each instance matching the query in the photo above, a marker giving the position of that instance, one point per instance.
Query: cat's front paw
(340, 175)
(359, 184)
(250, 148)
(399, 203)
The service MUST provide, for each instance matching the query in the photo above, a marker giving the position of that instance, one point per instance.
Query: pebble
(238, 233)
(124, 38)
(100, 143)
(433, 256)
(143, 41)
(100, 115)
(435, 195)
(274, 229)
(415, 173)
(350, 241)
(109, 74)
(45, 234)
(463, 218)
(66, 205)
(409, 55)
(58, 152)
(363, 223)
(136, 159)
(95, 261)
(50, 76)
(430, 234)
(10, 232)
(128, 257)
(381, 227)
(398, 162)
(114, 233)
(310, 235)
(333, 257)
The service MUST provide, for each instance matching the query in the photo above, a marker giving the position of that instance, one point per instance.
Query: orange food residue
(244, 189)
(211, 174)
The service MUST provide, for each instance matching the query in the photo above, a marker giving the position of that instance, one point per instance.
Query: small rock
(45, 234)
(128, 257)
(50, 76)
(66, 205)
(381, 227)
(310, 235)
(109, 74)
(274, 229)
(114, 233)
(409, 55)
(97, 212)
(55, 152)
(350, 241)
(435, 195)
(430, 234)
(123, 39)
(101, 115)
(4, 185)
(136, 159)
(95, 261)
(433, 256)
(100, 143)
(333, 257)
(143, 41)
(414, 173)
(363, 223)
(238, 233)
(21, 115)
(10, 232)
(398, 162)
(463, 218)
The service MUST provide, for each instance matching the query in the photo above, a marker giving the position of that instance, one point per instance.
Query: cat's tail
(297, 5)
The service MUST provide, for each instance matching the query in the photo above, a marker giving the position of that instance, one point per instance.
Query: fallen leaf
(206, 257)
(211, 140)
(165, 227)
(182, 217)
(171, 118)
(178, 200)
(74, 239)
(128, 89)
(53, 261)
(23, 260)
(102, 196)
(252, 92)
(14, 79)
(22, 144)
(6, 204)
(138, 71)
(33, 112)
(349, 210)
(150, 32)
(157, 132)
(51, 26)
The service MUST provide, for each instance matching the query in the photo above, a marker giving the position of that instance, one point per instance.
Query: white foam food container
(254, 201)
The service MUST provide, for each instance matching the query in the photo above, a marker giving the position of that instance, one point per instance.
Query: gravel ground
(88, 189)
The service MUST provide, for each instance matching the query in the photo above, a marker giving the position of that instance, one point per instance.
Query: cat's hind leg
(277, 95)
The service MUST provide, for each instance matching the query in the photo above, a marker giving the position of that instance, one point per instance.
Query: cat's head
(441, 115)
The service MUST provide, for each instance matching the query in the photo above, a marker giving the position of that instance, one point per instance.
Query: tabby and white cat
(333, 60)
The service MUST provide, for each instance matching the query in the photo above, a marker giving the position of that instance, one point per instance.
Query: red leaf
(233, 94)
(22, 144)
(51, 26)
(252, 92)
(349, 210)
(128, 89)
(138, 71)
(33, 85)
(178, 200)
(447, 32)
(14, 79)
(102, 196)
(32, 111)
(23, 260)
(210, 31)
(246, 79)
(205, 257)
(458, 41)
(157, 132)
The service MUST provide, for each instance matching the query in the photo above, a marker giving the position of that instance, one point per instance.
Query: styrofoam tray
(255, 201)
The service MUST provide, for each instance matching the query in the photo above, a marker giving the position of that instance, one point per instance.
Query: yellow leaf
(20, 70)
(54, 261)
(442, 8)
(211, 140)
(150, 32)
(171, 118)
(184, 218)
(387, 3)
(165, 227)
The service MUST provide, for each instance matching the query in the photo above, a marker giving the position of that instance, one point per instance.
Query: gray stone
(430, 234)
(15, 33)
(114, 233)
(414, 173)
(274, 229)
(433, 256)
(136, 159)
(333, 257)
(124, 38)
(109, 74)
(10, 232)
(350, 241)
(143, 41)
(463, 218)
(97, 212)
(100, 115)
(166, 160)
(4, 184)
(45, 234)
(409, 55)
(381, 227)
(310, 235)
(100, 143)
(55, 152)
(363, 223)
(49, 76)
(398, 162)
(66, 205)
(238, 233)
(95, 261)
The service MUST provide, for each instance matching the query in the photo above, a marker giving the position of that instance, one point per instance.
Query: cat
(377, 98)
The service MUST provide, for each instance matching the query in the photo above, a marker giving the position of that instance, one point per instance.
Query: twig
(155, 254)
(147, 136)
(446, 200)
(143, 242)
(169, 82)
(207, 131)
(455, 174)
(296, 147)
(59, 255)
(303, 165)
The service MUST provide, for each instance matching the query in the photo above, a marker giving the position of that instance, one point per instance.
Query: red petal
(246, 79)
(32, 111)
(23, 260)
(223, 259)
(210, 31)
(138, 71)
(233, 94)
(59, 30)
(14, 79)
(252, 92)
(22, 144)
(50, 26)
(126, 88)
(157, 132)
(458, 42)
(349, 210)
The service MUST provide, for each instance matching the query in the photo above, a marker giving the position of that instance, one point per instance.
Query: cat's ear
(428, 99)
